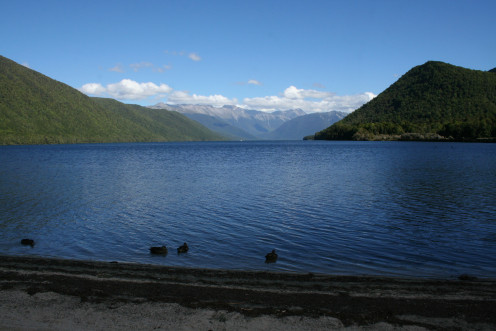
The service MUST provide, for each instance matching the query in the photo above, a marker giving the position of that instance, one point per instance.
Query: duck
(27, 242)
(158, 250)
(271, 257)
(183, 249)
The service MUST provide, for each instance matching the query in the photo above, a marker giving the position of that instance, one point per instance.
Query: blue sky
(266, 55)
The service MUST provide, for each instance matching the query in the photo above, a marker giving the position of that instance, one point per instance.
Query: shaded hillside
(220, 126)
(35, 109)
(302, 126)
(431, 100)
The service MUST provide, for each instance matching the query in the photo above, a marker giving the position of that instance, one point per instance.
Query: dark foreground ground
(352, 301)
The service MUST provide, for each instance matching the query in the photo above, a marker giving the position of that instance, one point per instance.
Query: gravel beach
(55, 294)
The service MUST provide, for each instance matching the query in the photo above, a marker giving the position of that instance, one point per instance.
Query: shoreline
(340, 301)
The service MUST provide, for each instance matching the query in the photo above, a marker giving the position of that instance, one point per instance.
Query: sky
(264, 55)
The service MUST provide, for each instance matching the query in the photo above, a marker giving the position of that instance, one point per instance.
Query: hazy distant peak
(301, 126)
(160, 105)
(227, 110)
(254, 123)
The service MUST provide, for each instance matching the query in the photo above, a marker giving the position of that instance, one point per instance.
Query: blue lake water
(386, 208)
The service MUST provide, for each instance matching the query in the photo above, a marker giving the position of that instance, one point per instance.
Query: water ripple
(332, 207)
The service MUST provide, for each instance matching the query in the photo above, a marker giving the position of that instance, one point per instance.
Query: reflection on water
(417, 209)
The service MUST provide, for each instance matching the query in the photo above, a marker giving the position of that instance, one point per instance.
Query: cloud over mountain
(291, 98)
(182, 97)
(309, 100)
(93, 89)
(127, 89)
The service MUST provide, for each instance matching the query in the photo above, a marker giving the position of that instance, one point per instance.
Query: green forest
(434, 101)
(35, 109)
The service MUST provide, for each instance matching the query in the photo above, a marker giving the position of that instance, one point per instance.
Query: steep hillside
(35, 109)
(430, 101)
(157, 124)
(305, 125)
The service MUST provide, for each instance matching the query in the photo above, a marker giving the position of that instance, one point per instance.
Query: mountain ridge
(433, 101)
(35, 109)
(301, 126)
(248, 124)
(252, 123)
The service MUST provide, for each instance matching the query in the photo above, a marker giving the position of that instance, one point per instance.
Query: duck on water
(271, 257)
(27, 242)
(158, 250)
(183, 248)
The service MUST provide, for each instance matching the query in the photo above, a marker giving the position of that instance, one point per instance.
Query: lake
(380, 208)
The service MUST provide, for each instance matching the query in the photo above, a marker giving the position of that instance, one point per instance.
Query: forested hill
(433, 101)
(35, 109)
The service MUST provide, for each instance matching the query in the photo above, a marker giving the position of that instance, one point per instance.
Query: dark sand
(55, 294)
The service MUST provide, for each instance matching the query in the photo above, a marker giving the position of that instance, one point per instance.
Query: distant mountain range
(239, 123)
(301, 126)
(35, 109)
(433, 101)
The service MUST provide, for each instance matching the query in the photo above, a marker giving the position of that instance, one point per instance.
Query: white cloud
(292, 97)
(183, 97)
(295, 93)
(117, 68)
(254, 82)
(141, 65)
(250, 82)
(137, 66)
(127, 89)
(26, 65)
(195, 57)
(93, 89)
(309, 100)
(162, 68)
(175, 53)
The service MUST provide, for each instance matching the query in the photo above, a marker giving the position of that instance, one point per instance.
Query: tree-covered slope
(431, 100)
(35, 109)
(157, 124)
